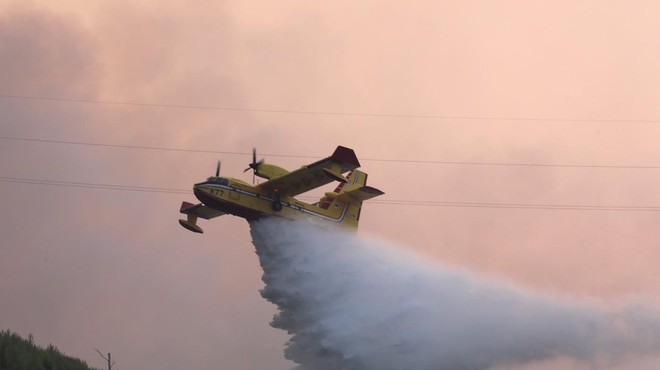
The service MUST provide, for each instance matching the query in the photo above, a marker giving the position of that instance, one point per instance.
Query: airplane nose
(198, 191)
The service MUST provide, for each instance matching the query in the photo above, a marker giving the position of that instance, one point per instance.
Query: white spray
(354, 304)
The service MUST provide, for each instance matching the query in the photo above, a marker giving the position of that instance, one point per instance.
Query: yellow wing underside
(314, 175)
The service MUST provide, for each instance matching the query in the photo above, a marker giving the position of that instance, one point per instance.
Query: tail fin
(349, 197)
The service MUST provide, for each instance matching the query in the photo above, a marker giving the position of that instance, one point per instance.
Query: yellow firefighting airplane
(275, 197)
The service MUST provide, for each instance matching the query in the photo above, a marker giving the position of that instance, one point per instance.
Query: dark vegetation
(17, 353)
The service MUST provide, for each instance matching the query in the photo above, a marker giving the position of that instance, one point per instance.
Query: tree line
(17, 353)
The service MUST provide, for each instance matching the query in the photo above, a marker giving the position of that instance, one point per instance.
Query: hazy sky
(572, 84)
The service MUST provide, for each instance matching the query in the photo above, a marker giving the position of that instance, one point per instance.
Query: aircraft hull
(226, 206)
(239, 201)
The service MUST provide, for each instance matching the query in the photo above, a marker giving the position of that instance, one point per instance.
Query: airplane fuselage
(275, 197)
(241, 199)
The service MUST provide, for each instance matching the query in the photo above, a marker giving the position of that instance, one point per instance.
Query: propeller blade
(254, 165)
(217, 170)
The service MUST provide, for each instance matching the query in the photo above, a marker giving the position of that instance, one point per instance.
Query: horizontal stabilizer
(360, 194)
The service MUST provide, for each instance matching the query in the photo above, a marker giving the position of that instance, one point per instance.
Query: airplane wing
(314, 175)
(200, 210)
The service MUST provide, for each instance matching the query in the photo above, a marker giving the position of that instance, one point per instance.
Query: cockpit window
(218, 180)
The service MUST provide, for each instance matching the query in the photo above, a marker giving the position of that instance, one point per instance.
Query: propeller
(254, 165)
(217, 170)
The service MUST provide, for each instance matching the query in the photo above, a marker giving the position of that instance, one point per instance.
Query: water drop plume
(355, 303)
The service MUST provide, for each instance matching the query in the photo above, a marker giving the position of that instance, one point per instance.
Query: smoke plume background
(83, 267)
(356, 303)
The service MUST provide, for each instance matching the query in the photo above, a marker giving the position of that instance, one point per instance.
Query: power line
(503, 164)
(427, 203)
(93, 185)
(520, 206)
(133, 146)
(322, 113)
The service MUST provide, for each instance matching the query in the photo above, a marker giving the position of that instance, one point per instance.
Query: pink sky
(84, 268)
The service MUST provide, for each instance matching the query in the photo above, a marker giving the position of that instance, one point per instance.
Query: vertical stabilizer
(348, 197)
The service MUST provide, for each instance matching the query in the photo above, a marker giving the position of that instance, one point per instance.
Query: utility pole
(109, 359)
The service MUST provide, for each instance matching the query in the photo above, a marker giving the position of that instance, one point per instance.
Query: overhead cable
(393, 160)
(428, 203)
(323, 113)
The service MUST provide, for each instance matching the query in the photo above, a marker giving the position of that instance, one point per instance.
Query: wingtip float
(275, 197)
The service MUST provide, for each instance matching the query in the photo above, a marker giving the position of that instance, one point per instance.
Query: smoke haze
(83, 268)
(355, 303)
